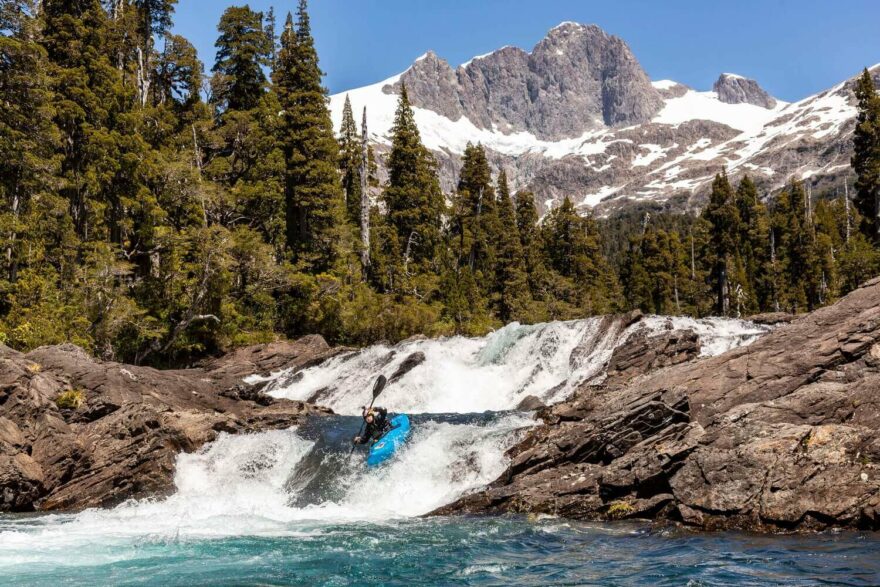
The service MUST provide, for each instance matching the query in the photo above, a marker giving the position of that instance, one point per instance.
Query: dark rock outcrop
(735, 89)
(781, 435)
(76, 432)
(644, 354)
(577, 78)
(409, 363)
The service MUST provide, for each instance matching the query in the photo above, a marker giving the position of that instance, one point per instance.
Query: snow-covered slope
(674, 153)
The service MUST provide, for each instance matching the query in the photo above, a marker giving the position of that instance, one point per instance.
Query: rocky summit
(735, 89)
(578, 116)
(577, 78)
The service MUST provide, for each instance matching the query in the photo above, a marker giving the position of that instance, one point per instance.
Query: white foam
(236, 486)
(496, 372)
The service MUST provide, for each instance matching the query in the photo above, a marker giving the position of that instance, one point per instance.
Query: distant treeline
(155, 215)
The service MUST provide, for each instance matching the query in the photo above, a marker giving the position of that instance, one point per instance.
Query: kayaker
(377, 424)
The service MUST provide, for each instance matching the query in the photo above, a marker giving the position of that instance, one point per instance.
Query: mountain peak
(733, 88)
(575, 79)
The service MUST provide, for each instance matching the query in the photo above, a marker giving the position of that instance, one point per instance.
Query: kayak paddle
(377, 389)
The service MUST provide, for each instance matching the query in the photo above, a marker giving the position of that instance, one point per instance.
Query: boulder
(76, 432)
(409, 363)
(782, 435)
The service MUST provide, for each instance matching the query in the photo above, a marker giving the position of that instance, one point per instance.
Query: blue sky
(792, 47)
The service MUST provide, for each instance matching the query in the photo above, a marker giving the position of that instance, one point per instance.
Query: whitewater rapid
(300, 482)
(244, 486)
(492, 373)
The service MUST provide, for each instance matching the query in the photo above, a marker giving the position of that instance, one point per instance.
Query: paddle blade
(380, 385)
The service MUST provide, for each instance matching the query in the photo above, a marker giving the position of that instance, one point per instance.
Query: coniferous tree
(574, 250)
(532, 246)
(412, 196)
(866, 156)
(28, 136)
(350, 156)
(753, 249)
(511, 289)
(313, 194)
(474, 224)
(723, 218)
(243, 50)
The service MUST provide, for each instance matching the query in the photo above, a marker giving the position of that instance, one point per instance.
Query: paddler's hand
(357, 440)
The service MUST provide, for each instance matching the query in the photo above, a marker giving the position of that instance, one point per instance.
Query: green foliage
(70, 400)
(312, 192)
(866, 156)
(243, 49)
(148, 226)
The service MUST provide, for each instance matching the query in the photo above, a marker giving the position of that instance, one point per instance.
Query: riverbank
(782, 435)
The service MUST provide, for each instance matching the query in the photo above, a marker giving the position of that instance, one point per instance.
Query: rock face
(577, 78)
(578, 117)
(120, 434)
(781, 435)
(643, 354)
(736, 89)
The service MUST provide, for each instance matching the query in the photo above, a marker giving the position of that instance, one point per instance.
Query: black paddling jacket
(380, 426)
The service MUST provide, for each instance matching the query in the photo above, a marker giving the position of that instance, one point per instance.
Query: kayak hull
(388, 444)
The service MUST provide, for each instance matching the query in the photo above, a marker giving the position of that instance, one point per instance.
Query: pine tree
(574, 249)
(243, 50)
(412, 196)
(511, 290)
(28, 136)
(753, 249)
(350, 156)
(313, 193)
(474, 223)
(866, 156)
(178, 73)
(723, 217)
(532, 247)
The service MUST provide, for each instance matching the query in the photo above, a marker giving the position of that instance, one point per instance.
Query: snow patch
(665, 84)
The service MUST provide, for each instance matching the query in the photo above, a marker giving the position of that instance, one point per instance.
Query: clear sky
(792, 47)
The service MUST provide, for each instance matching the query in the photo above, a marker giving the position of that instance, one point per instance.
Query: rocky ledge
(782, 435)
(77, 433)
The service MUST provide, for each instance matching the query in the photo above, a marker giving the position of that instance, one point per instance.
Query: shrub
(70, 400)
(619, 509)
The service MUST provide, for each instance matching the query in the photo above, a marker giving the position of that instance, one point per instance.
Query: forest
(154, 213)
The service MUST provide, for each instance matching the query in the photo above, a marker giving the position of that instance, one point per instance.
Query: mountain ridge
(668, 158)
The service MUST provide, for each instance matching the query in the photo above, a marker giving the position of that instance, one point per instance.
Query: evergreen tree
(28, 136)
(723, 217)
(412, 196)
(474, 223)
(753, 247)
(574, 250)
(532, 246)
(313, 193)
(511, 289)
(866, 156)
(350, 155)
(243, 50)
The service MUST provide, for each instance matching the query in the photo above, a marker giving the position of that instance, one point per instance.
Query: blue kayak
(388, 443)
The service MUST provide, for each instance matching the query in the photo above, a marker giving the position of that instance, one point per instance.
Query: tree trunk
(365, 196)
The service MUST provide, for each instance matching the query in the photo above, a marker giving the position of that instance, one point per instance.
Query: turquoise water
(469, 551)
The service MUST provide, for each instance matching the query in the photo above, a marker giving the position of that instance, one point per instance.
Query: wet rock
(782, 435)
(772, 318)
(530, 403)
(121, 437)
(409, 363)
(643, 354)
